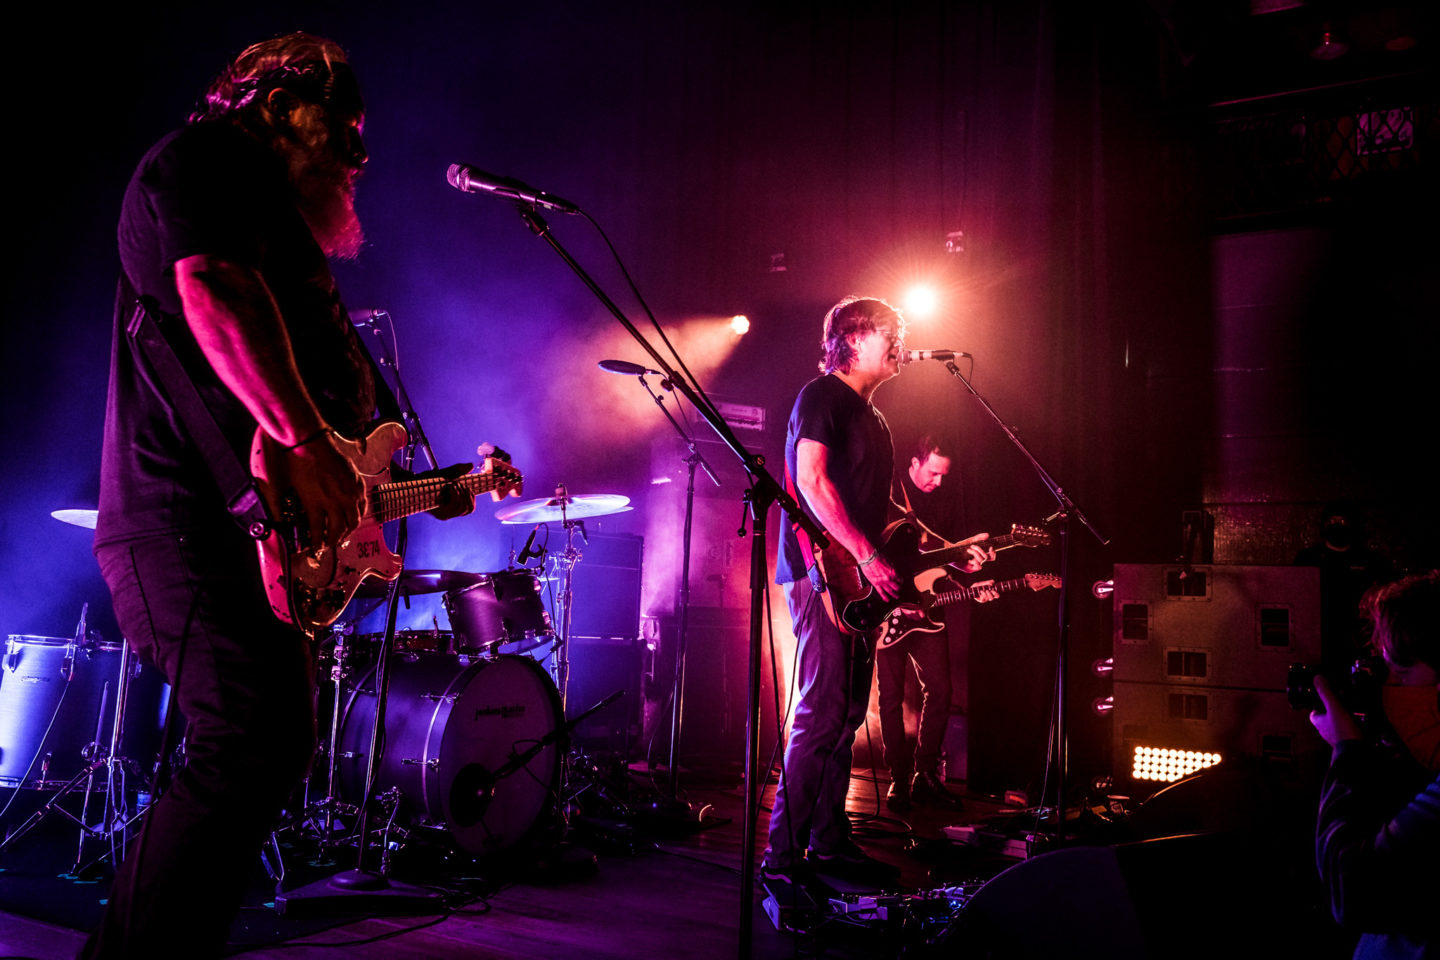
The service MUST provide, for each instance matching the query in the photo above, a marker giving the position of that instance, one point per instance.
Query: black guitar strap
(148, 331)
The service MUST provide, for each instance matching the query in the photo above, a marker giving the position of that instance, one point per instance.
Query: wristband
(322, 432)
(870, 559)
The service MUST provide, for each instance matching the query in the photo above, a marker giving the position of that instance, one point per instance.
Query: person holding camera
(1377, 841)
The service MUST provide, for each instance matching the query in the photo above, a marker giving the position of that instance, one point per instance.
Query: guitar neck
(945, 598)
(961, 552)
(405, 498)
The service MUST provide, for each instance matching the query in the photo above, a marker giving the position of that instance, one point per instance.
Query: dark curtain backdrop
(714, 142)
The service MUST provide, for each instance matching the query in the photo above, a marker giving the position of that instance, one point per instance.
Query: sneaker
(897, 798)
(930, 790)
(852, 863)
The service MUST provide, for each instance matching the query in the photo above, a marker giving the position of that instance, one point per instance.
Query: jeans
(192, 605)
(833, 679)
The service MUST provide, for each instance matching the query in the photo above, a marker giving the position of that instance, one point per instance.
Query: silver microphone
(366, 318)
(911, 356)
(468, 179)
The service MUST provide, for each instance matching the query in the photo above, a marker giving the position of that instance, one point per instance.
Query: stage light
(920, 301)
(1103, 706)
(1159, 763)
(1104, 667)
(740, 324)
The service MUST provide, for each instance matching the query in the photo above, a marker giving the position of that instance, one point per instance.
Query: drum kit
(467, 736)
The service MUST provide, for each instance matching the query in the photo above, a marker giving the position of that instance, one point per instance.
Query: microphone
(526, 554)
(365, 318)
(911, 356)
(626, 368)
(468, 179)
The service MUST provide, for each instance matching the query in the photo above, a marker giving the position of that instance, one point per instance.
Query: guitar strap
(148, 331)
(807, 548)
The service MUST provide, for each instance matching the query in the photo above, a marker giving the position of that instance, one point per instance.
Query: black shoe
(853, 864)
(930, 790)
(897, 798)
(774, 873)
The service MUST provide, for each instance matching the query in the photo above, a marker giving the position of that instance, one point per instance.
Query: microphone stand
(1065, 512)
(764, 491)
(677, 695)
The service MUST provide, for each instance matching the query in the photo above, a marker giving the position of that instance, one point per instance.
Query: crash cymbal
(563, 508)
(413, 582)
(79, 518)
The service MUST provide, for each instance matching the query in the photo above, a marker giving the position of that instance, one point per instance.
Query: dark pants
(193, 606)
(930, 652)
(833, 678)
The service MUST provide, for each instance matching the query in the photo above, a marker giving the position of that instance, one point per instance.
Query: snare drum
(57, 710)
(502, 614)
(462, 742)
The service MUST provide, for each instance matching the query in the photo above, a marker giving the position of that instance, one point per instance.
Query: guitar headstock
(1042, 581)
(1027, 536)
(505, 480)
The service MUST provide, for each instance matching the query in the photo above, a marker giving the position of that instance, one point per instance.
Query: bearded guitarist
(915, 776)
(226, 232)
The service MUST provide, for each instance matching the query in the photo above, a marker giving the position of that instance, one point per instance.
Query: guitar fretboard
(946, 597)
(391, 501)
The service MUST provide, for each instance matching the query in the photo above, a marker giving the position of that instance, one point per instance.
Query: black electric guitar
(904, 621)
(856, 607)
(309, 584)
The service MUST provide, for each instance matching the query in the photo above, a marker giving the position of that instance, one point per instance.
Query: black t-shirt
(210, 188)
(861, 460)
(936, 509)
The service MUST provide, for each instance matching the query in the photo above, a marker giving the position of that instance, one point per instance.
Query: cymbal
(79, 518)
(413, 582)
(574, 508)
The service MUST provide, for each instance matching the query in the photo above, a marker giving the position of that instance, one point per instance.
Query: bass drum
(57, 710)
(461, 742)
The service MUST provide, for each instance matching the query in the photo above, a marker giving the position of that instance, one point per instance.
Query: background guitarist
(228, 223)
(916, 776)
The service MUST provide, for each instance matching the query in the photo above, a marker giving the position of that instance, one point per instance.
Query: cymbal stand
(677, 694)
(565, 565)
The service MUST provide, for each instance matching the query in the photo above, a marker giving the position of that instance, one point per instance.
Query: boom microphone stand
(1066, 510)
(764, 491)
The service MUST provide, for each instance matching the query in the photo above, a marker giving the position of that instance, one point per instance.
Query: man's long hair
(263, 66)
(850, 316)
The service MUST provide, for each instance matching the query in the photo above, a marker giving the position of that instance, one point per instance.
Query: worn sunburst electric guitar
(904, 621)
(854, 604)
(309, 584)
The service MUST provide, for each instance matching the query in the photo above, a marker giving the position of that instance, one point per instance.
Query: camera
(1358, 690)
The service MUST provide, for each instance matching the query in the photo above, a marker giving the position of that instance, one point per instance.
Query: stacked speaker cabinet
(1201, 655)
(605, 651)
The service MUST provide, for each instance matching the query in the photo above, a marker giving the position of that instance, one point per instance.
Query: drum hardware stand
(673, 803)
(116, 817)
(377, 890)
(764, 492)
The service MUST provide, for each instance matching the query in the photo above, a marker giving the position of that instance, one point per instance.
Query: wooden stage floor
(660, 898)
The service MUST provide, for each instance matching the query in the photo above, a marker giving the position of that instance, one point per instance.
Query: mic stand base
(358, 891)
